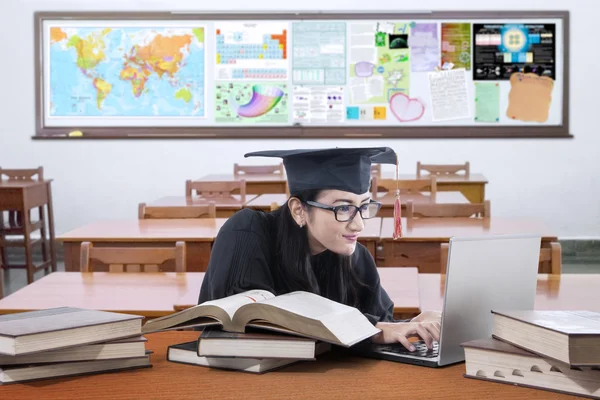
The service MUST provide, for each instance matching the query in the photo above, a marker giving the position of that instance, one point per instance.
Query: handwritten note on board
(530, 97)
(449, 95)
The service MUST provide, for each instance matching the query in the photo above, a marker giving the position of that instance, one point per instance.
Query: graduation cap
(347, 169)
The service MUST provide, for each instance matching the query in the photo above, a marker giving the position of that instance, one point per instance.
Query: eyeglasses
(347, 212)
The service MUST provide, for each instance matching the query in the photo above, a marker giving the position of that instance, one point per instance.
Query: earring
(301, 225)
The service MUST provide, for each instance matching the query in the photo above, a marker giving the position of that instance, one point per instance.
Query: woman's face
(327, 233)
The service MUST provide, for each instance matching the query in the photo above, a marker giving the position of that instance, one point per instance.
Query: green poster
(487, 102)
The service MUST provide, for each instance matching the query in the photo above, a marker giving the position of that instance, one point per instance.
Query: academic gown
(243, 258)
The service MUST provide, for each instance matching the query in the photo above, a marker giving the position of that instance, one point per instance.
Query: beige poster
(530, 97)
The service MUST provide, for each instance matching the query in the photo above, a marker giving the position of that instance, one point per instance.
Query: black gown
(243, 258)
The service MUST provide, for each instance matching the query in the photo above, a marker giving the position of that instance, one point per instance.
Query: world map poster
(125, 72)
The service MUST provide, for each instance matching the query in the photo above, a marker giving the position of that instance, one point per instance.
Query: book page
(231, 304)
(308, 305)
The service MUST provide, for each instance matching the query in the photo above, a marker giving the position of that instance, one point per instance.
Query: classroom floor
(15, 279)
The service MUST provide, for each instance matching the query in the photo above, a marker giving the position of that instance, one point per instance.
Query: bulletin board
(435, 74)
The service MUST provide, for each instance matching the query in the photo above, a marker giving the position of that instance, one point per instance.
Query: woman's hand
(426, 325)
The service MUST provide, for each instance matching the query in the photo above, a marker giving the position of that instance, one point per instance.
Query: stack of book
(256, 331)
(550, 350)
(66, 341)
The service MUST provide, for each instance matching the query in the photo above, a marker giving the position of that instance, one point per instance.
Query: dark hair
(340, 281)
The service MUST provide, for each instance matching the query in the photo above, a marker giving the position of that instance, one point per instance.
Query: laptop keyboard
(421, 349)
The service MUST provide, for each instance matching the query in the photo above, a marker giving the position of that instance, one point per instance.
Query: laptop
(483, 273)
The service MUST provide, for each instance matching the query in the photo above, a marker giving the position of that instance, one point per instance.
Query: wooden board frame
(297, 131)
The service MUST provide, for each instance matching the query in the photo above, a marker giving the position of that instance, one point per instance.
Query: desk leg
(28, 248)
(51, 229)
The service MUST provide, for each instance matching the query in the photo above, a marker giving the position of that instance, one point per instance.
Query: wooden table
(24, 196)
(420, 243)
(198, 234)
(335, 375)
(157, 294)
(264, 201)
(554, 292)
(255, 183)
(226, 206)
(472, 187)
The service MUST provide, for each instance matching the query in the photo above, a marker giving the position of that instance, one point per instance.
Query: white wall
(556, 180)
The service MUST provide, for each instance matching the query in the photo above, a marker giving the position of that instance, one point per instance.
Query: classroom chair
(447, 210)
(214, 190)
(132, 259)
(207, 210)
(23, 227)
(551, 255)
(257, 169)
(428, 184)
(441, 170)
(376, 170)
(1, 283)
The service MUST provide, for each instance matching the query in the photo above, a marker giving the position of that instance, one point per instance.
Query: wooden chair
(17, 225)
(376, 170)
(447, 210)
(257, 169)
(1, 283)
(552, 255)
(441, 169)
(405, 185)
(207, 210)
(211, 190)
(132, 259)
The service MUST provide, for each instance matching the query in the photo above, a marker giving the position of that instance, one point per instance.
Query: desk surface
(332, 375)
(147, 230)
(158, 294)
(233, 202)
(442, 229)
(264, 201)
(473, 178)
(554, 292)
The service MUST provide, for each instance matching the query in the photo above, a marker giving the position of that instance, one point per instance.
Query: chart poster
(251, 51)
(504, 49)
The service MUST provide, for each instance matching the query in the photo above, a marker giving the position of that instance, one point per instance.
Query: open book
(300, 313)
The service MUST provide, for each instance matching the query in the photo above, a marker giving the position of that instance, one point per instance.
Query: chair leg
(45, 255)
(28, 249)
(3, 257)
(51, 228)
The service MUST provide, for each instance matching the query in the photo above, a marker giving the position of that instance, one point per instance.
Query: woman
(310, 243)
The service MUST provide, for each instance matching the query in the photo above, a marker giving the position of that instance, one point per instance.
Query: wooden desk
(198, 234)
(27, 195)
(554, 292)
(420, 244)
(335, 375)
(264, 201)
(472, 187)
(226, 206)
(157, 294)
(255, 183)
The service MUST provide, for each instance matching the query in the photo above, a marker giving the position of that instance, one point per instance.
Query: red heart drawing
(406, 109)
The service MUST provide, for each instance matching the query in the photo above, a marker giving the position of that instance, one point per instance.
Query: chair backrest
(216, 189)
(376, 170)
(207, 210)
(132, 259)
(257, 169)
(447, 210)
(441, 169)
(22, 174)
(552, 255)
(428, 184)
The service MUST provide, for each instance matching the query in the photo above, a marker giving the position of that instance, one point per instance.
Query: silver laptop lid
(485, 273)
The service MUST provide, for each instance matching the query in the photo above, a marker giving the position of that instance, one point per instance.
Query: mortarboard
(347, 169)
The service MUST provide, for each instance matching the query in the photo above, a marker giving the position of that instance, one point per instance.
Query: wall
(555, 180)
